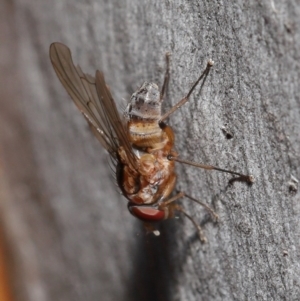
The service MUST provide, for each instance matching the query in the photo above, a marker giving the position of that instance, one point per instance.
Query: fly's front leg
(201, 235)
(170, 207)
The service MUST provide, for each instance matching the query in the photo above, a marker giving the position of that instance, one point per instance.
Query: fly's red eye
(146, 213)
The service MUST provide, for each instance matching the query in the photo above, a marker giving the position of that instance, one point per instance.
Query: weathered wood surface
(69, 232)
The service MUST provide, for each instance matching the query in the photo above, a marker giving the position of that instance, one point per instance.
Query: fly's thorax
(153, 181)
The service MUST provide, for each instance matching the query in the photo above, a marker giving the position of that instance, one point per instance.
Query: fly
(139, 141)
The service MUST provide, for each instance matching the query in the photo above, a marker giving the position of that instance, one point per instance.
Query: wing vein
(93, 98)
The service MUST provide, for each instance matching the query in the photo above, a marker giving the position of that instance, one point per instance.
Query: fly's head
(145, 103)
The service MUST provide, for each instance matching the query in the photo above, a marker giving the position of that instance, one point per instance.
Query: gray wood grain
(68, 229)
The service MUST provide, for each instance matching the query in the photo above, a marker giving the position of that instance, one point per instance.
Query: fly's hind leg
(203, 76)
(167, 77)
(173, 207)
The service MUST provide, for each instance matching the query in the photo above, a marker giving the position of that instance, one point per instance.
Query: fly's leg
(186, 98)
(242, 177)
(174, 198)
(213, 214)
(247, 178)
(169, 204)
(167, 77)
(201, 235)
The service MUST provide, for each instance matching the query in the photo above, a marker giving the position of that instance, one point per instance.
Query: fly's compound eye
(147, 213)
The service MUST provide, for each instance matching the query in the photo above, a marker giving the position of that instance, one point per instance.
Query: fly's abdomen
(146, 134)
(142, 115)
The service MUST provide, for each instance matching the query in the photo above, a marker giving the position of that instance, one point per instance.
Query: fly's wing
(109, 107)
(81, 87)
(93, 99)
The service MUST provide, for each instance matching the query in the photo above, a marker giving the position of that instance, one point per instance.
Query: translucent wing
(113, 116)
(94, 100)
